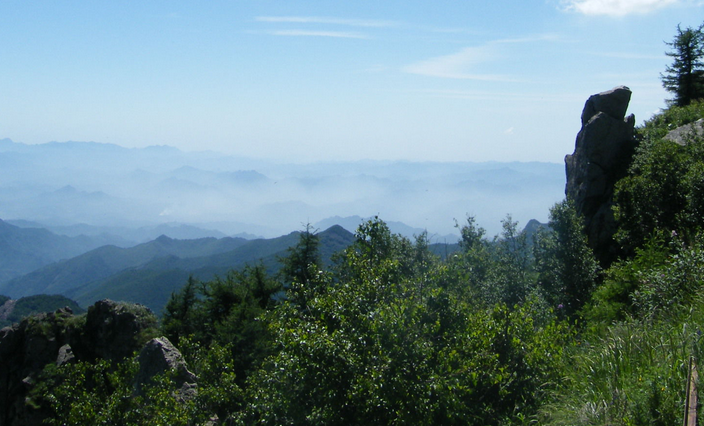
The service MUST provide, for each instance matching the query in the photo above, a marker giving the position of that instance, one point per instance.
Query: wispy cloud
(307, 33)
(327, 20)
(616, 7)
(462, 65)
(457, 65)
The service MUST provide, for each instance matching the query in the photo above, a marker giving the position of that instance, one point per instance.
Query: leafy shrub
(664, 188)
(388, 345)
(669, 119)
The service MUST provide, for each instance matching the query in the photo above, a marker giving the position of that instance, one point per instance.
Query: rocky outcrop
(6, 309)
(25, 349)
(112, 330)
(109, 331)
(683, 134)
(159, 356)
(603, 152)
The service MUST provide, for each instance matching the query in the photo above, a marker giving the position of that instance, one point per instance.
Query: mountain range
(91, 220)
(148, 273)
(23, 250)
(89, 188)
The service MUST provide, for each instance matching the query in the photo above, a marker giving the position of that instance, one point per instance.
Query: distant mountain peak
(336, 230)
(163, 239)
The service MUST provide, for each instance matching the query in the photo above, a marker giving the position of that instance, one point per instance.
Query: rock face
(112, 328)
(683, 134)
(159, 356)
(25, 349)
(109, 330)
(603, 152)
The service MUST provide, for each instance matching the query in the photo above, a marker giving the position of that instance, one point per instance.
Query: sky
(306, 81)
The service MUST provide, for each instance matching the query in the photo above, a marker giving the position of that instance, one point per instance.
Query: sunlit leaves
(382, 346)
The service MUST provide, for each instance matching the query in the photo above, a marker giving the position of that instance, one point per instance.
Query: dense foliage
(389, 334)
(664, 191)
(643, 322)
(518, 329)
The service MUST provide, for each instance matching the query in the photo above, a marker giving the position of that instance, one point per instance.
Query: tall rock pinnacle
(603, 152)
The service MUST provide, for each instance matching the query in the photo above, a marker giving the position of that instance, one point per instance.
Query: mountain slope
(95, 265)
(23, 250)
(151, 284)
(150, 272)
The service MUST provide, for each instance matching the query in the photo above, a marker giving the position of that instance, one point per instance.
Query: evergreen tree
(685, 77)
(301, 266)
(511, 277)
(177, 321)
(303, 258)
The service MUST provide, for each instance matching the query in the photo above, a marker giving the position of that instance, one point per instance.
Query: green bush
(663, 190)
(388, 345)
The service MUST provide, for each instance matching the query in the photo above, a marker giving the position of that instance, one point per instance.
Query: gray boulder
(613, 103)
(65, 355)
(160, 356)
(603, 152)
(683, 134)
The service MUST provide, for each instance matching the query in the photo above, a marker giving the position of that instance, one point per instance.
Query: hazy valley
(134, 195)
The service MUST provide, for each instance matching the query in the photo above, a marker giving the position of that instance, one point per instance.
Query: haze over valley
(137, 194)
(339, 213)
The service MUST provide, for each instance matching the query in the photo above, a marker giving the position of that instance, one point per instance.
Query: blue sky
(328, 80)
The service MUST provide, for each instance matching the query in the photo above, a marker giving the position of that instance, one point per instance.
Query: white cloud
(616, 7)
(326, 20)
(307, 33)
(457, 65)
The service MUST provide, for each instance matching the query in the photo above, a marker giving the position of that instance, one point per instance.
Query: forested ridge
(515, 329)
(509, 330)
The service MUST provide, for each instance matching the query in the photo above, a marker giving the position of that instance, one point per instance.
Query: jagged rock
(683, 134)
(25, 349)
(159, 356)
(603, 152)
(112, 329)
(6, 309)
(613, 103)
(65, 355)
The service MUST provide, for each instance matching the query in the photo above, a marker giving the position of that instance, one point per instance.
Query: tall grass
(633, 374)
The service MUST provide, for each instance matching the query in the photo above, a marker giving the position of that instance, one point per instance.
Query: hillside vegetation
(12, 311)
(23, 250)
(512, 330)
(148, 273)
(524, 328)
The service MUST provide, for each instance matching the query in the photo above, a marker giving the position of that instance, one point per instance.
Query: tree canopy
(685, 77)
(519, 329)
